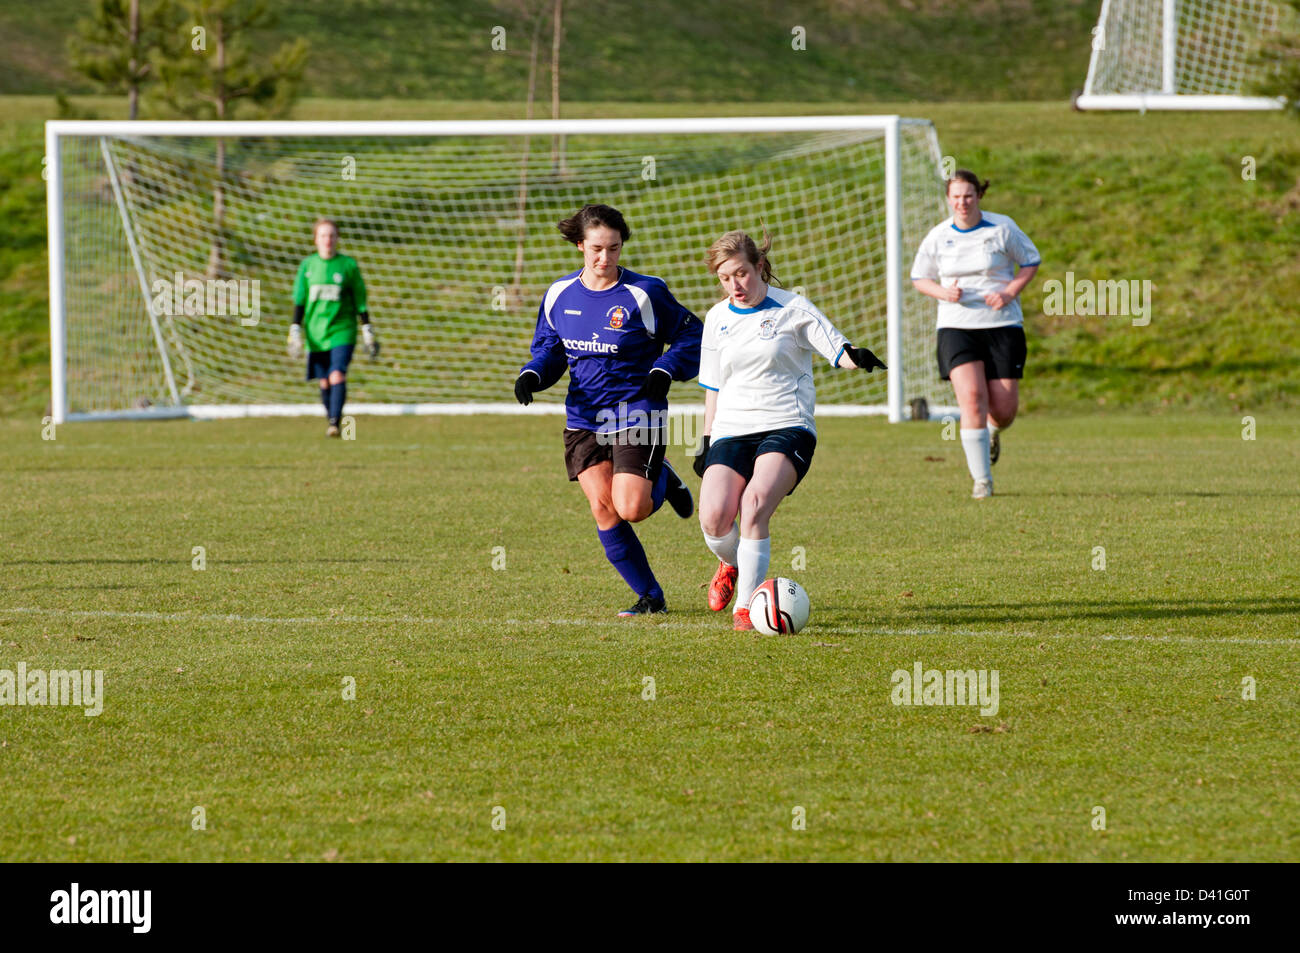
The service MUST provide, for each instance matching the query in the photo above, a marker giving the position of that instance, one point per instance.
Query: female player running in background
(968, 262)
(608, 327)
(759, 436)
(329, 296)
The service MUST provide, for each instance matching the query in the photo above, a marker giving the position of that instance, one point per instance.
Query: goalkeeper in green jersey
(328, 297)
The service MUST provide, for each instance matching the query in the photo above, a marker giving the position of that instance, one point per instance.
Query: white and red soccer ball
(779, 607)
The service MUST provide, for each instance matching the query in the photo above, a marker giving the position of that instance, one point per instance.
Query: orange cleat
(741, 621)
(723, 587)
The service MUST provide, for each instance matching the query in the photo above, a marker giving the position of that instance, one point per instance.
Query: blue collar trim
(984, 223)
(767, 302)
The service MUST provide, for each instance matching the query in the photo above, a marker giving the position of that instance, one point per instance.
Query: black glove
(525, 384)
(702, 456)
(655, 386)
(864, 358)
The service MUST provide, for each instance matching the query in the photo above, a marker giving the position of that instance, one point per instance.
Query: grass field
(404, 646)
(517, 688)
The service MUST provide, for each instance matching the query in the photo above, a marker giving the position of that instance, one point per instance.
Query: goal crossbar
(308, 128)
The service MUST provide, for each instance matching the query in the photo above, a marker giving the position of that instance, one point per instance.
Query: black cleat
(645, 606)
(678, 494)
(995, 446)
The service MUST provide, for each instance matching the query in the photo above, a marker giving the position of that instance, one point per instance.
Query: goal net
(1178, 54)
(174, 247)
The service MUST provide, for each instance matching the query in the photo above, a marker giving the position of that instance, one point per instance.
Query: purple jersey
(609, 341)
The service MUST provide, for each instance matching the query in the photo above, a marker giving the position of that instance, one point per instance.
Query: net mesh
(1215, 43)
(457, 243)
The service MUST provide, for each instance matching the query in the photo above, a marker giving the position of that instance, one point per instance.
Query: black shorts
(1001, 349)
(638, 450)
(739, 453)
(321, 363)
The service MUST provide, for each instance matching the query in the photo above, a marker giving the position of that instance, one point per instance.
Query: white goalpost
(172, 260)
(1178, 54)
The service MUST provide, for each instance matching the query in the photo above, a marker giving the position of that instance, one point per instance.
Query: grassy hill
(634, 51)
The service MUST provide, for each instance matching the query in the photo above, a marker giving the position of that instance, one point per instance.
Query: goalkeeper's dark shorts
(1001, 349)
(321, 363)
(739, 453)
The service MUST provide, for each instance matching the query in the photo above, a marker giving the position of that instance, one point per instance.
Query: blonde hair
(738, 243)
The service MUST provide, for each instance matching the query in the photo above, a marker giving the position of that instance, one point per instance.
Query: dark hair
(574, 228)
(966, 175)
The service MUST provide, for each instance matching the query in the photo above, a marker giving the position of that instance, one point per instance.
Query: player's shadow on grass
(1152, 494)
(138, 468)
(1141, 373)
(1066, 610)
(158, 561)
(51, 587)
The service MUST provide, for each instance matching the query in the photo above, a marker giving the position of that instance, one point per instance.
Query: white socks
(994, 428)
(752, 557)
(724, 547)
(976, 444)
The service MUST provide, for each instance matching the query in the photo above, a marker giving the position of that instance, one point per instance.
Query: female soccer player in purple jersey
(609, 327)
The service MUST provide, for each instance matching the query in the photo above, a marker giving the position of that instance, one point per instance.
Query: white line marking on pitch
(610, 623)
(852, 630)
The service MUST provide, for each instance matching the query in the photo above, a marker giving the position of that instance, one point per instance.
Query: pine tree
(220, 73)
(115, 46)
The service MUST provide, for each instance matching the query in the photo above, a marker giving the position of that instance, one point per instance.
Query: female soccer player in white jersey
(329, 296)
(759, 436)
(969, 263)
(608, 327)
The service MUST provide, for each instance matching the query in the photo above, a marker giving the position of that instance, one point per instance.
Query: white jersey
(976, 260)
(759, 360)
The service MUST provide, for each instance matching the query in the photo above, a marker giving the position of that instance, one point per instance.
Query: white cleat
(982, 491)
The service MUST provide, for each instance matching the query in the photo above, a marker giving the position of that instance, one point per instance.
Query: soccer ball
(779, 607)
